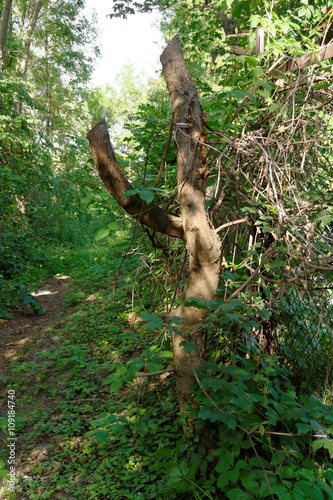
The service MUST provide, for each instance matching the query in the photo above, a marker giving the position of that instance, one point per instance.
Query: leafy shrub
(12, 294)
(266, 440)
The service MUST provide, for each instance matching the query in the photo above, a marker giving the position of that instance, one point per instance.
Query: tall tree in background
(6, 10)
(47, 49)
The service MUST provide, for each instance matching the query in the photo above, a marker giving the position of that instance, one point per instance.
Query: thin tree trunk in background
(202, 242)
(4, 28)
(31, 29)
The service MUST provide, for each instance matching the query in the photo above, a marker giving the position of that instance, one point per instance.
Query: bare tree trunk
(194, 226)
(4, 28)
(202, 242)
(31, 29)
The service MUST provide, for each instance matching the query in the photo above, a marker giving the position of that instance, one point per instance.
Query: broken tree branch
(117, 184)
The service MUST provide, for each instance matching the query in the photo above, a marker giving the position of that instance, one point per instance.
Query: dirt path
(24, 335)
(25, 328)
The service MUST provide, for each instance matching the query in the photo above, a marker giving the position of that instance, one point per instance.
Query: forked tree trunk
(194, 227)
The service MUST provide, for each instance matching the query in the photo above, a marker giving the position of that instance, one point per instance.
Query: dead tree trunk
(202, 242)
(194, 227)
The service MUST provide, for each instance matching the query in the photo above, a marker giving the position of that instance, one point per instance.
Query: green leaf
(111, 419)
(304, 428)
(4, 473)
(154, 321)
(188, 346)
(90, 433)
(230, 420)
(147, 196)
(239, 94)
(154, 367)
(129, 192)
(278, 489)
(177, 480)
(323, 443)
(250, 480)
(118, 429)
(222, 480)
(122, 370)
(238, 494)
(222, 467)
(117, 384)
(101, 233)
(101, 436)
(229, 276)
(113, 226)
(164, 453)
(211, 414)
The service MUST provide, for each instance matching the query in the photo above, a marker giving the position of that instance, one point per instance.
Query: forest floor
(68, 371)
(93, 420)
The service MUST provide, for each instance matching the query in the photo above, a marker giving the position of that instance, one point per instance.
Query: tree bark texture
(202, 242)
(194, 226)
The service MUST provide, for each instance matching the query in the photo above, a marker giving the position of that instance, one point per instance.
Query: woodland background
(258, 421)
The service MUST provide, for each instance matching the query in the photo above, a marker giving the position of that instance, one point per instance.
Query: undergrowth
(111, 431)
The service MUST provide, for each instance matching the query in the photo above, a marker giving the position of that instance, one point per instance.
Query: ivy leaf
(250, 481)
(111, 419)
(227, 275)
(118, 429)
(200, 303)
(211, 414)
(177, 479)
(163, 453)
(304, 428)
(229, 420)
(146, 195)
(154, 367)
(213, 383)
(117, 384)
(223, 480)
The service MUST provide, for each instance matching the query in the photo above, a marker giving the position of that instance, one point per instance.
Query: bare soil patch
(31, 333)
(22, 330)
